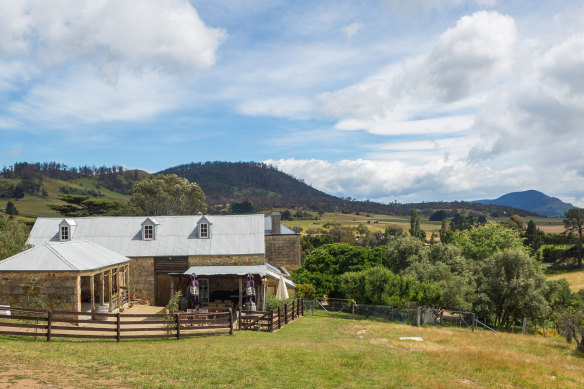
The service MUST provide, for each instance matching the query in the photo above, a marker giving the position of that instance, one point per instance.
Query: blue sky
(381, 100)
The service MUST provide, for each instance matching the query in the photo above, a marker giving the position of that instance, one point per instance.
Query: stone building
(222, 249)
(68, 273)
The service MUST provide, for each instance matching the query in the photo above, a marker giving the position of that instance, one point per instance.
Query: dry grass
(574, 278)
(311, 352)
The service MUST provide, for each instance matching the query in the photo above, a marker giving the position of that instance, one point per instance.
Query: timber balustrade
(62, 324)
(270, 321)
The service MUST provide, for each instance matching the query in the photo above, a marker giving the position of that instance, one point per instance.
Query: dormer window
(149, 228)
(64, 233)
(203, 230)
(66, 229)
(148, 232)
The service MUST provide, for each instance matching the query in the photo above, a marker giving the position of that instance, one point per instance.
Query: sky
(424, 100)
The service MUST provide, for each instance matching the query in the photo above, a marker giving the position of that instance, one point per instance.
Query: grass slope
(311, 352)
(37, 206)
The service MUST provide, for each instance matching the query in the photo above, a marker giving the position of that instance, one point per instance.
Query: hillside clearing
(315, 351)
(574, 278)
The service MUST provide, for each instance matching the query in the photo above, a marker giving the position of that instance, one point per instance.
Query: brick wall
(283, 250)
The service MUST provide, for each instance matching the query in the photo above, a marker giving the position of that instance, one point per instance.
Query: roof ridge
(61, 257)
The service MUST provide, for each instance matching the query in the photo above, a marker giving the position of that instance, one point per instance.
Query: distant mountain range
(533, 201)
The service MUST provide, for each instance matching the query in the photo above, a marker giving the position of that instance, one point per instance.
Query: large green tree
(481, 242)
(574, 223)
(513, 286)
(415, 229)
(13, 236)
(168, 195)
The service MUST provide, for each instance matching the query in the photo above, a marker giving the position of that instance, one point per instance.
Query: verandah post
(239, 319)
(230, 322)
(118, 326)
(49, 318)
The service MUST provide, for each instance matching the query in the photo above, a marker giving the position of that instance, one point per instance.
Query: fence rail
(270, 321)
(66, 324)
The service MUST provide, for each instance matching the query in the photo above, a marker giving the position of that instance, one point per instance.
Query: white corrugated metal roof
(227, 270)
(75, 256)
(174, 236)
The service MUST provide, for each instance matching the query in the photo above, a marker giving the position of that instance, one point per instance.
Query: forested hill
(534, 201)
(261, 184)
(265, 186)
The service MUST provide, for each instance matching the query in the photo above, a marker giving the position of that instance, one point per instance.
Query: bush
(272, 303)
(305, 291)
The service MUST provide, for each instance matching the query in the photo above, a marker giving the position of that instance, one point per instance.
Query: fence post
(177, 324)
(524, 327)
(293, 311)
(474, 322)
(353, 310)
(418, 316)
(298, 308)
(272, 320)
(285, 313)
(302, 305)
(312, 306)
(239, 319)
(230, 322)
(279, 319)
(49, 318)
(117, 327)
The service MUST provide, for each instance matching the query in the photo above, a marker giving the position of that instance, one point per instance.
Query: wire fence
(416, 316)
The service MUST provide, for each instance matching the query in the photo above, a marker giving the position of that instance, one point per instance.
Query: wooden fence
(61, 324)
(270, 321)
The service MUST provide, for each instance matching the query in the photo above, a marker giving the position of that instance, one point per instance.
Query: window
(64, 233)
(204, 230)
(148, 232)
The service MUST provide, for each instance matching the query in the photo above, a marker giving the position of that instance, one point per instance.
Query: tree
(13, 238)
(78, 205)
(401, 253)
(574, 223)
(446, 234)
(533, 236)
(573, 320)
(242, 208)
(415, 229)
(481, 242)
(11, 209)
(168, 195)
(514, 287)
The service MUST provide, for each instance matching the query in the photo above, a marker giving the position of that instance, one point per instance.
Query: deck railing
(66, 324)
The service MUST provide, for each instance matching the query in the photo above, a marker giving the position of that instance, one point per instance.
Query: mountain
(265, 186)
(261, 184)
(533, 201)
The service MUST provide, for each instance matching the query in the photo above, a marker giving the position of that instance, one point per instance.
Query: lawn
(314, 351)
(575, 278)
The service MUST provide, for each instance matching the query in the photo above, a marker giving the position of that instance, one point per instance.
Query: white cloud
(352, 29)
(101, 60)
(282, 107)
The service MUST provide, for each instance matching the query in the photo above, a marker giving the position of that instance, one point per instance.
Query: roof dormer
(149, 227)
(204, 228)
(66, 229)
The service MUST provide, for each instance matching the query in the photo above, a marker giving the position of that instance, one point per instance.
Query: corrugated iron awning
(227, 270)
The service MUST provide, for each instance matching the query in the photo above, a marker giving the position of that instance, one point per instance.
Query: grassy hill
(314, 351)
(37, 205)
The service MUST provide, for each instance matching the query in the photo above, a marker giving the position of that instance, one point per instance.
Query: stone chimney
(275, 223)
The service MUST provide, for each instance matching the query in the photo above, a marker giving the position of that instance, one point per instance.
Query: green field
(314, 351)
(35, 206)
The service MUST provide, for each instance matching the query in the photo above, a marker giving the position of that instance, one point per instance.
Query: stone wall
(283, 250)
(63, 290)
(142, 277)
(223, 260)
